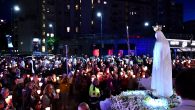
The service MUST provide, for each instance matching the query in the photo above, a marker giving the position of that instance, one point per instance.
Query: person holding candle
(94, 94)
(6, 99)
(64, 90)
(49, 96)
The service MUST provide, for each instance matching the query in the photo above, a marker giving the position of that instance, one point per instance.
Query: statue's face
(155, 28)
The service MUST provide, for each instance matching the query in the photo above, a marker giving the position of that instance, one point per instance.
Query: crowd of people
(59, 83)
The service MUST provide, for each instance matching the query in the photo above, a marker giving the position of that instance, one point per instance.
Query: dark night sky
(5, 9)
(189, 9)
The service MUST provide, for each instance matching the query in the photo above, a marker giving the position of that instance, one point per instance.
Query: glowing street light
(50, 25)
(146, 24)
(16, 8)
(2, 20)
(99, 14)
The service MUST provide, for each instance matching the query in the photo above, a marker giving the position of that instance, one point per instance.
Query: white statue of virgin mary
(162, 66)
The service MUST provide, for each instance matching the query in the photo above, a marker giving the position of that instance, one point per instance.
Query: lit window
(77, 29)
(43, 17)
(43, 25)
(43, 48)
(80, 1)
(92, 2)
(52, 35)
(174, 43)
(92, 22)
(68, 7)
(43, 33)
(43, 41)
(105, 2)
(76, 7)
(68, 29)
(47, 34)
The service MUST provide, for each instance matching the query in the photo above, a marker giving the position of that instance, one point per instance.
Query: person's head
(83, 106)
(107, 93)
(48, 89)
(5, 92)
(184, 83)
(95, 82)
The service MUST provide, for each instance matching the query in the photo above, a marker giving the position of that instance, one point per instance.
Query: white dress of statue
(162, 66)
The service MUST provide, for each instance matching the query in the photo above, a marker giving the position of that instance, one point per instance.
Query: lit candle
(28, 75)
(133, 76)
(98, 76)
(39, 79)
(121, 73)
(47, 108)
(126, 76)
(143, 76)
(131, 73)
(45, 79)
(10, 97)
(92, 79)
(58, 91)
(58, 78)
(145, 68)
(41, 97)
(39, 92)
(40, 84)
(31, 78)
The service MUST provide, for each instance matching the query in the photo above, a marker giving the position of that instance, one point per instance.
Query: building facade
(73, 19)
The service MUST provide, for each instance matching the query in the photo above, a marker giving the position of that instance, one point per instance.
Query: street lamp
(146, 24)
(99, 14)
(50, 25)
(52, 29)
(16, 8)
